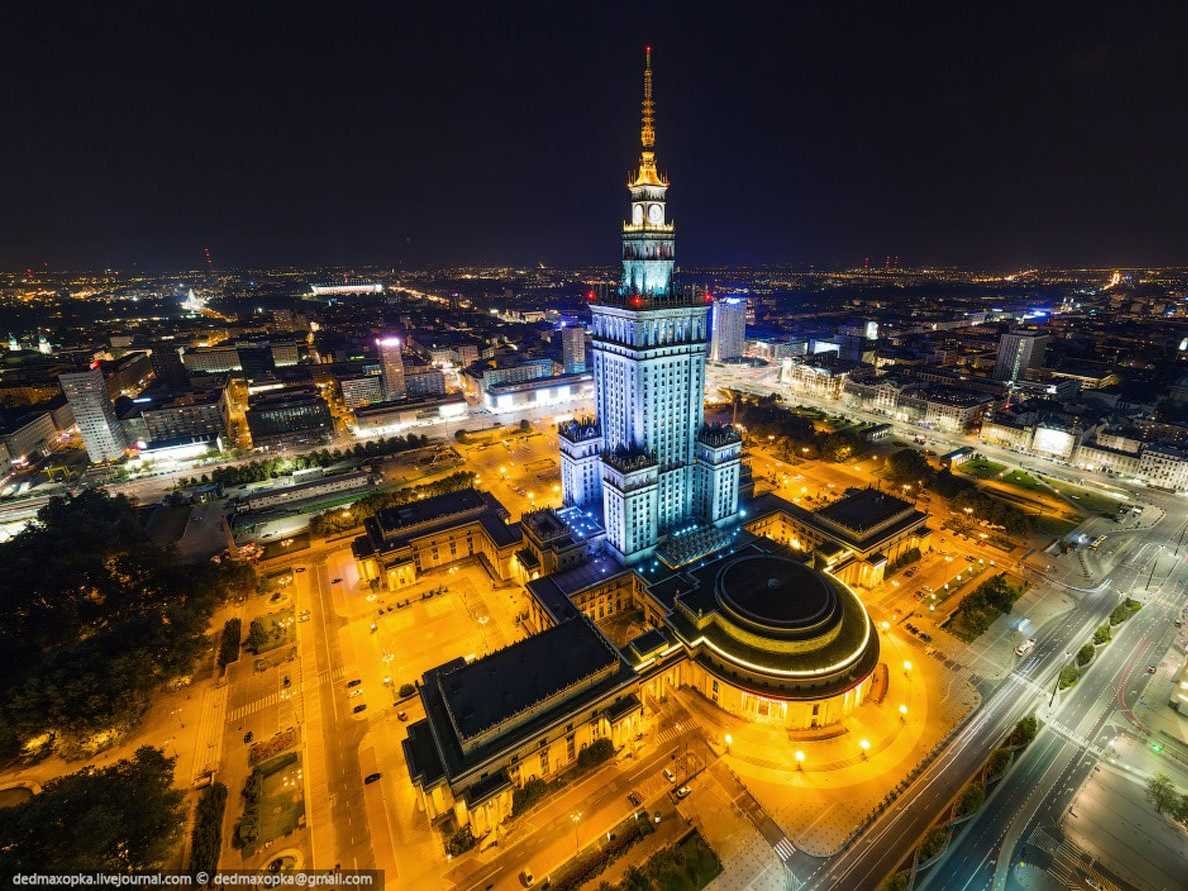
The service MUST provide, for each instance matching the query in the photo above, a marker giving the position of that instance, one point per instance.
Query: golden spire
(647, 133)
(648, 175)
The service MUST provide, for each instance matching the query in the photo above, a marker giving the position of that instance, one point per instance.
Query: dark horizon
(792, 138)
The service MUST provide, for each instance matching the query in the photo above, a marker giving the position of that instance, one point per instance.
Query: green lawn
(278, 630)
(282, 804)
(1052, 526)
(1022, 480)
(1086, 499)
(982, 468)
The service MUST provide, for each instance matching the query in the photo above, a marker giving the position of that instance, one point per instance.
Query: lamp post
(903, 710)
(729, 740)
(864, 744)
(799, 759)
(576, 817)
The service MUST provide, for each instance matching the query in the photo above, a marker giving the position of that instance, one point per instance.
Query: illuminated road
(971, 862)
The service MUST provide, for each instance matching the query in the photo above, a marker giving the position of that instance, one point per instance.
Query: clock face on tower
(637, 214)
(655, 213)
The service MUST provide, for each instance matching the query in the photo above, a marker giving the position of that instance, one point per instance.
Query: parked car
(354, 682)
(669, 775)
(683, 791)
(361, 707)
(527, 878)
(402, 715)
(371, 778)
(634, 799)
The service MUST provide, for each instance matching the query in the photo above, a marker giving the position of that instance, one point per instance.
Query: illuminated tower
(392, 360)
(86, 391)
(649, 350)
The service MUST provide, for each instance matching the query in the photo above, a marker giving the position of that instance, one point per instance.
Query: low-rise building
(288, 417)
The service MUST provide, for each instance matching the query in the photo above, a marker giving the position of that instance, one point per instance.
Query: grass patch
(1053, 527)
(274, 802)
(978, 610)
(982, 468)
(1086, 499)
(687, 866)
(270, 631)
(1022, 480)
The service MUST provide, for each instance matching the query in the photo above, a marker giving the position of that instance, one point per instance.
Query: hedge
(229, 642)
(206, 840)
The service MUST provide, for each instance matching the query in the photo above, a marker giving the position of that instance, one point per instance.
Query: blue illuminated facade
(649, 457)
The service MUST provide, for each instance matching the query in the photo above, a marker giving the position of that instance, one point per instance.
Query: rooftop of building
(395, 527)
(484, 693)
(862, 509)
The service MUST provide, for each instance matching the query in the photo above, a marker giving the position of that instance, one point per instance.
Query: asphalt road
(1047, 776)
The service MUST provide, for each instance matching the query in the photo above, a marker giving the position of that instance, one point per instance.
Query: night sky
(415, 134)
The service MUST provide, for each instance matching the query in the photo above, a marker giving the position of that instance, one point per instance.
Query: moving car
(354, 683)
(634, 799)
(683, 791)
(1026, 647)
(371, 778)
(527, 878)
(361, 707)
(669, 775)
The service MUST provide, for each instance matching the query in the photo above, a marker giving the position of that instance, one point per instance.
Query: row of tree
(271, 468)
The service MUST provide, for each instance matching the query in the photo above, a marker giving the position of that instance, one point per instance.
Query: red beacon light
(709, 298)
(636, 300)
(591, 296)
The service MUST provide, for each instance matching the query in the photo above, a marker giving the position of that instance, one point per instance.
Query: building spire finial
(647, 131)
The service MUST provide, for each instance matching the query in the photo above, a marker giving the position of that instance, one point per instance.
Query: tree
(206, 839)
(1102, 635)
(1024, 732)
(257, 637)
(1162, 793)
(1069, 675)
(93, 618)
(117, 819)
(229, 642)
(909, 466)
(1085, 655)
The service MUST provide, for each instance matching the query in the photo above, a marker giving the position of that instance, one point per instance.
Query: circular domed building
(770, 638)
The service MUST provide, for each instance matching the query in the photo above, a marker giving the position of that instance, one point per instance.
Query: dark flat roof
(864, 509)
(483, 693)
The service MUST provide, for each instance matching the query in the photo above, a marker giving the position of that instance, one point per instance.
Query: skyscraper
(86, 391)
(729, 329)
(573, 348)
(649, 455)
(392, 360)
(1018, 351)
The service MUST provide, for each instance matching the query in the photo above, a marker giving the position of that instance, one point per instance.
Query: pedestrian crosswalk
(784, 849)
(671, 731)
(281, 696)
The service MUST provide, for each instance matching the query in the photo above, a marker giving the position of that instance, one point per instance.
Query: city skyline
(805, 137)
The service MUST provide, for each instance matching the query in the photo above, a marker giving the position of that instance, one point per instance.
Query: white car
(669, 775)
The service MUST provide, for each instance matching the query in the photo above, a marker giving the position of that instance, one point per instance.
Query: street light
(903, 710)
(907, 666)
(576, 817)
(885, 625)
(729, 741)
(864, 745)
(799, 759)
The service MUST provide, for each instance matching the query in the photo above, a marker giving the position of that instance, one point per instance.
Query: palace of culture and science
(648, 462)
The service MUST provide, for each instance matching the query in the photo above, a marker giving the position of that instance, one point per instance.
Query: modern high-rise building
(392, 360)
(573, 348)
(729, 338)
(1017, 352)
(86, 391)
(648, 455)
